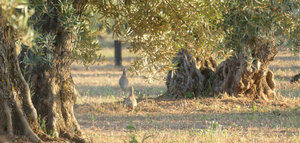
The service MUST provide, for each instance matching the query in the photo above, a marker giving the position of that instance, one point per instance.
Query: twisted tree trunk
(54, 90)
(240, 75)
(248, 74)
(17, 113)
(191, 77)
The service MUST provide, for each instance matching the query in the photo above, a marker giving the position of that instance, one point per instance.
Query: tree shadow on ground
(104, 66)
(270, 120)
(97, 75)
(287, 58)
(209, 112)
(292, 68)
(115, 90)
(283, 78)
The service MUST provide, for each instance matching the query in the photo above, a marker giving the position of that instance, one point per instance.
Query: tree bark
(240, 75)
(247, 73)
(17, 113)
(191, 77)
(55, 93)
(54, 90)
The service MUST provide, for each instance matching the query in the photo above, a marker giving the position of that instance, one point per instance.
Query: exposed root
(26, 127)
(27, 102)
(56, 106)
(240, 75)
(72, 137)
(9, 125)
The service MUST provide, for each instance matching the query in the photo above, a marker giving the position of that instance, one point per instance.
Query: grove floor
(103, 117)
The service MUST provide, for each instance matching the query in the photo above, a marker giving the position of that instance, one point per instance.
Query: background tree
(254, 30)
(118, 53)
(157, 30)
(250, 31)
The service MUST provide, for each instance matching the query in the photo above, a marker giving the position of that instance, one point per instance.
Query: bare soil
(104, 118)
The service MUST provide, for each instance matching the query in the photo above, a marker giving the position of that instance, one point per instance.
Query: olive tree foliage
(246, 23)
(158, 29)
(250, 31)
(82, 26)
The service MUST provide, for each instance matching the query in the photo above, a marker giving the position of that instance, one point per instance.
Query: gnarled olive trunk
(54, 90)
(55, 93)
(191, 77)
(17, 113)
(240, 75)
(247, 73)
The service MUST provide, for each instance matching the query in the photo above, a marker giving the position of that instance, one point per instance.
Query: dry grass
(103, 118)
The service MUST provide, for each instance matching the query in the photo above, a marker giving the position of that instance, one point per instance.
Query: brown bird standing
(123, 82)
(130, 101)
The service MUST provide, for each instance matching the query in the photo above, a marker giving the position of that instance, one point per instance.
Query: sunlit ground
(103, 118)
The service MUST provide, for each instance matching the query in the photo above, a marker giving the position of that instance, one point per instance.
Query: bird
(130, 101)
(123, 81)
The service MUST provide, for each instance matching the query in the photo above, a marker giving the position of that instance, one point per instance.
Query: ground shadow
(283, 78)
(287, 58)
(292, 68)
(271, 120)
(102, 66)
(115, 90)
(97, 75)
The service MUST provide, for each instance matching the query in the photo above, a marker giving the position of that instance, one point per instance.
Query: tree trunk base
(236, 76)
(191, 77)
(239, 77)
(17, 115)
(55, 99)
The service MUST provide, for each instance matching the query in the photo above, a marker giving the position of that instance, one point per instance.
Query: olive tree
(40, 88)
(184, 36)
(157, 30)
(17, 113)
(189, 36)
(254, 30)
